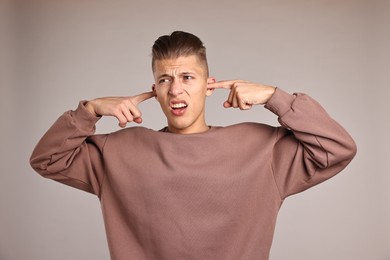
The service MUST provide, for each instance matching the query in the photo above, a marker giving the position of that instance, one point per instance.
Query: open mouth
(178, 106)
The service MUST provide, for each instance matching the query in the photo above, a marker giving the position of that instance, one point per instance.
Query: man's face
(181, 89)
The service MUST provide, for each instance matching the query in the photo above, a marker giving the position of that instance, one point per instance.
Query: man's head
(181, 78)
(179, 44)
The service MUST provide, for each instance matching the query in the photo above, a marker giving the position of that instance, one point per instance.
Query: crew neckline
(166, 131)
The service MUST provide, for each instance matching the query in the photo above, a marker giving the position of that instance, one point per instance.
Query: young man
(190, 190)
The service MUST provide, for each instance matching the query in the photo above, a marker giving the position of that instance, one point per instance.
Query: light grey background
(54, 53)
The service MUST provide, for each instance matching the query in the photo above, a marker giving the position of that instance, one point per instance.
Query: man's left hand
(244, 94)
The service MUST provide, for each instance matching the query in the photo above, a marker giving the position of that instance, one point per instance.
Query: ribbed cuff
(81, 113)
(280, 102)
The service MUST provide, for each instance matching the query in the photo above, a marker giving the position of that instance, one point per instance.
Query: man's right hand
(123, 108)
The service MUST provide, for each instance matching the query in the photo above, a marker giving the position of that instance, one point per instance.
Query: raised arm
(310, 146)
(70, 153)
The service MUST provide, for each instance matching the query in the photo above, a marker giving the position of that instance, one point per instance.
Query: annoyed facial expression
(181, 89)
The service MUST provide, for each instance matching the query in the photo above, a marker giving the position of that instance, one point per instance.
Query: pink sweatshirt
(213, 195)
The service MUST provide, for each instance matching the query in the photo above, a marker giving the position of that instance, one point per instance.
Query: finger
(227, 84)
(133, 109)
(227, 104)
(142, 97)
(122, 119)
(231, 97)
(244, 105)
(235, 100)
(247, 107)
(128, 114)
(138, 120)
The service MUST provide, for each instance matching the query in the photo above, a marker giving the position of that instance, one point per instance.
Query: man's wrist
(280, 102)
(269, 92)
(89, 107)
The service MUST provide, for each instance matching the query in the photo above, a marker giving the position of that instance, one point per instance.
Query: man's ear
(210, 91)
(154, 91)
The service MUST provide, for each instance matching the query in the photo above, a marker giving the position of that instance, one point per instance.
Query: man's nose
(176, 88)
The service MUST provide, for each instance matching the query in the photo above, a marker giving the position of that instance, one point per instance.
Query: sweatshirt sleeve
(68, 153)
(310, 146)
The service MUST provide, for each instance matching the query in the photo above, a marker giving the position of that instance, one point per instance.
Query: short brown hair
(179, 44)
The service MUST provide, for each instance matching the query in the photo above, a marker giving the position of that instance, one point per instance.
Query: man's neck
(187, 131)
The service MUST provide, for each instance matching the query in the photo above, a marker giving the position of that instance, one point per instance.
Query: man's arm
(70, 153)
(310, 146)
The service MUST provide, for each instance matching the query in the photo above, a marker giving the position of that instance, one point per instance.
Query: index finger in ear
(142, 97)
(227, 84)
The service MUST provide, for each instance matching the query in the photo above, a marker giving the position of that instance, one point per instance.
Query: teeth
(179, 105)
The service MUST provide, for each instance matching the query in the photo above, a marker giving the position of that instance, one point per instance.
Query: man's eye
(188, 77)
(162, 81)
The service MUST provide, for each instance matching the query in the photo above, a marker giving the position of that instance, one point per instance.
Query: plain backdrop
(56, 52)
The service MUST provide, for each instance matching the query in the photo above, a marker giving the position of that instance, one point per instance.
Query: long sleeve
(68, 153)
(310, 148)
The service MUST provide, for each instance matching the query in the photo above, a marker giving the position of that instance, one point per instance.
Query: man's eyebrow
(164, 75)
(181, 74)
(187, 73)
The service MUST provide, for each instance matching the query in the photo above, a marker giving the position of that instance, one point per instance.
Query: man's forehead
(189, 64)
(180, 61)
